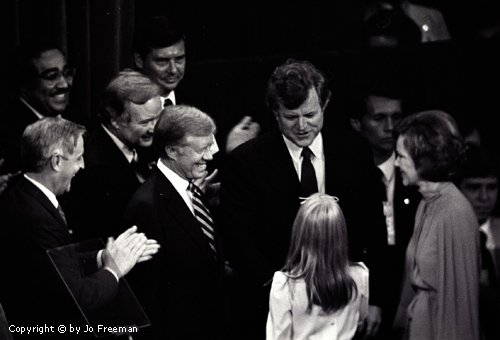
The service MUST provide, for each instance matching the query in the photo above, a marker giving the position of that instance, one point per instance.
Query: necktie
(308, 176)
(202, 214)
(141, 170)
(167, 102)
(61, 212)
(63, 215)
(382, 185)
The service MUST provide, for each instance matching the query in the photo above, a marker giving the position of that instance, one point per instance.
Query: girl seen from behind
(318, 293)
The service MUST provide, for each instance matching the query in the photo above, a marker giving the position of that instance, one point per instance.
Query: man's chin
(146, 143)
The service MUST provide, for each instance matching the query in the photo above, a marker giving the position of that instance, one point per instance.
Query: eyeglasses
(52, 76)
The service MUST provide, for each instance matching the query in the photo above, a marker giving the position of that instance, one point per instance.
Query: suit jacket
(100, 192)
(32, 292)
(260, 199)
(179, 288)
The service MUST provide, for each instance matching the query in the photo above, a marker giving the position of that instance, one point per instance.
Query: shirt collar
(296, 151)
(170, 96)
(387, 167)
(179, 183)
(38, 114)
(127, 152)
(50, 195)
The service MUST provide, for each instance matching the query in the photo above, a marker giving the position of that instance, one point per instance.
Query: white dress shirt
(129, 153)
(388, 169)
(180, 184)
(317, 159)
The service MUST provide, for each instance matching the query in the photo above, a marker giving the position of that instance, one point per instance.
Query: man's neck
(44, 180)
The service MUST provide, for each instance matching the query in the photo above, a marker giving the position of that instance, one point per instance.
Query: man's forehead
(174, 50)
(382, 104)
(50, 59)
(481, 180)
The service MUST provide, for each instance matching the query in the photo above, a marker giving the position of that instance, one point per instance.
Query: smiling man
(267, 177)
(44, 81)
(115, 166)
(180, 289)
(33, 222)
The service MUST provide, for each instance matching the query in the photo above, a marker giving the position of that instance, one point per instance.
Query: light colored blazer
(288, 317)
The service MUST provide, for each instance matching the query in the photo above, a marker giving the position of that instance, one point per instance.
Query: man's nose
(301, 123)
(172, 67)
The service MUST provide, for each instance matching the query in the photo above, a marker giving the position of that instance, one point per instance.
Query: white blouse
(288, 317)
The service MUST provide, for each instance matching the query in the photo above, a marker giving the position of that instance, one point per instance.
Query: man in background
(379, 109)
(114, 156)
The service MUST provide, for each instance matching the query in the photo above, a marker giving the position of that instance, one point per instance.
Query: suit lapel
(115, 158)
(280, 162)
(30, 189)
(176, 207)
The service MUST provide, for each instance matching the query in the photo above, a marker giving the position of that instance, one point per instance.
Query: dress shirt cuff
(100, 264)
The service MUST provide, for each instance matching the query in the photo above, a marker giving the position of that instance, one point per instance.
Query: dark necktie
(63, 215)
(382, 184)
(203, 216)
(308, 176)
(167, 102)
(141, 169)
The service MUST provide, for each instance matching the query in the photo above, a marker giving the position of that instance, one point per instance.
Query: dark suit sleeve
(239, 207)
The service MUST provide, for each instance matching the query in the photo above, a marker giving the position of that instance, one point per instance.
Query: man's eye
(51, 75)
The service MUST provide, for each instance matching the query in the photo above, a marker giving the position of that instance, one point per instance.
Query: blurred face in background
(377, 124)
(482, 192)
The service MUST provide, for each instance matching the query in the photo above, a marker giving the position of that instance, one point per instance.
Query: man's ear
(172, 152)
(55, 162)
(356, 124)
(138, 60)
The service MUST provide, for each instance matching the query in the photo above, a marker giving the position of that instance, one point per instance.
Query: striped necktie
(202, 214)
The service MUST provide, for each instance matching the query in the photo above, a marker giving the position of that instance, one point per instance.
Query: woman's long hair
(319, 254)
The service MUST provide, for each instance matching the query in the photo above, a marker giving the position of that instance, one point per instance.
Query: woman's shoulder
(359, 272)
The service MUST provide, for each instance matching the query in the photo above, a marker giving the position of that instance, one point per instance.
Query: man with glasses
(44, 80)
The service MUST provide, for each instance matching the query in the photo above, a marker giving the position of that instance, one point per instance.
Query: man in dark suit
(115, 163)
(33, 223)
(159, 51)
(180, 288)
(266, 177)
(44, 82)
(379, 110)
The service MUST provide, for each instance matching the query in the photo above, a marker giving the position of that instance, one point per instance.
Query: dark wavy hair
(289, 85)
(434, 143)
(156, 32)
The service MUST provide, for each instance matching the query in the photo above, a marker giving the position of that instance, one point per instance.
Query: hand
(4, 179)
(372, 321)
(209, 188)
(245, 130)
(129, 248)
(152, 248)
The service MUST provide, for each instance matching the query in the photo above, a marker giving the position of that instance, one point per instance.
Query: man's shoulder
(268, 141)
(23, 200)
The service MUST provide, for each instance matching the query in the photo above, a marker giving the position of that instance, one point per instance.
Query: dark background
(233, 48)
